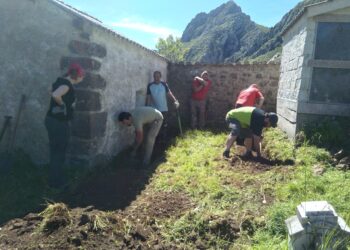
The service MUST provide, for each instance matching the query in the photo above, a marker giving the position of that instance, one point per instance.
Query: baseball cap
(273, 118)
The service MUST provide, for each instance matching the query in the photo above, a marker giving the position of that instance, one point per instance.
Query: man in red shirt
(200, 88)
(250, 97)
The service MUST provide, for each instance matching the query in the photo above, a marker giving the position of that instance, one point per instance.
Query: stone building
(39, 39)
(315, 66)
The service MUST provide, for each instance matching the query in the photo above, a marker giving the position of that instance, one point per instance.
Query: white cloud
(162, 32)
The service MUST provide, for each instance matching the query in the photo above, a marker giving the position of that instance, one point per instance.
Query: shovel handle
(179, 121)
(21, 104)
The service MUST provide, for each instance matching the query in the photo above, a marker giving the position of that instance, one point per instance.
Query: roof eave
(98, 23)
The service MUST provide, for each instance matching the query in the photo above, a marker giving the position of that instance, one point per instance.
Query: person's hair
(74, 71)
(157, 72)
(124, 116)
(204, 72)
(273, 118)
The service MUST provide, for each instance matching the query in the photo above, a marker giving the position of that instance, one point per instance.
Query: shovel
(179, 121)
(6, 159)
(5, 126)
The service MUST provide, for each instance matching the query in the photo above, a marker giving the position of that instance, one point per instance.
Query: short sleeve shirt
(158, 92)
(68, 99)
(145, 115)
(249, 117)
(202, 93)
(248, 97)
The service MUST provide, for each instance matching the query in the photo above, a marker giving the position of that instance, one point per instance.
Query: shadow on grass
(114, 186)
(24, 188)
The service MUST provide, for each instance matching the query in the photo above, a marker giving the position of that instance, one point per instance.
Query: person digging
(248, 122)
(138, 118)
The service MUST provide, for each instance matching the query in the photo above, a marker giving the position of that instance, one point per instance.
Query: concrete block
(314, 220)
(315, 211)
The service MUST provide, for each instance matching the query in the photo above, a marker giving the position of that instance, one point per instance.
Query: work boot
(226, 154)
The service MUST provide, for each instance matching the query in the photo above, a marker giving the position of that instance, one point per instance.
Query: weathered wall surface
(227, 82)
(301, 92)
(127, 70)
(35, 51)
(291, 88)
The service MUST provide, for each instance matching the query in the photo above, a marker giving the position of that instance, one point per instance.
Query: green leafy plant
(172, 48)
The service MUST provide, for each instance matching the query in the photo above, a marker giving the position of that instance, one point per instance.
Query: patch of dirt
(251, 165)
(255, 164)
(161, 205)
(90, 228)
(225, 227)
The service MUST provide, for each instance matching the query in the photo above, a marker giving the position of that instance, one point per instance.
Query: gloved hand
(60, 109)
(176, 104)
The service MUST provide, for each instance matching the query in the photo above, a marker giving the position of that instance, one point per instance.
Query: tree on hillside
(172, 48)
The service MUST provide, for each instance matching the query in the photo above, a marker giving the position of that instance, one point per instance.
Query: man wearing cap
(248, 122)
(138, 118)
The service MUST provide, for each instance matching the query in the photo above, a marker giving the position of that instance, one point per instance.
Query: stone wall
(227, 82)
(35, 51)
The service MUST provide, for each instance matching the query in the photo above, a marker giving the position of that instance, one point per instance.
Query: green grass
(304, 186)
(220, 191)
(329, 133)
(228, 210)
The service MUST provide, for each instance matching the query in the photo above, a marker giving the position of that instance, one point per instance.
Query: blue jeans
(59, 134)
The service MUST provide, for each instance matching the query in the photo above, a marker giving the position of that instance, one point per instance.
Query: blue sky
(145, 21)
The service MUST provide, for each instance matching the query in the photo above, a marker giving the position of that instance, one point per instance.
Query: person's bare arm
(201, 86)
(138, 139)
(170, 94)
(257, 144)
(58, 93)
(260, 102)
(205, 82)
(198, 88)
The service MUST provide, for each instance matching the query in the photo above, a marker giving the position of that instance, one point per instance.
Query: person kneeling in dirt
(248, 122)
(139, 117)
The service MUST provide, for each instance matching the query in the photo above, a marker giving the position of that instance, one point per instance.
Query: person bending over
(248, 122)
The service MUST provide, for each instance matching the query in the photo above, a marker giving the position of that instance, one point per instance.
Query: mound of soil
(90, 228)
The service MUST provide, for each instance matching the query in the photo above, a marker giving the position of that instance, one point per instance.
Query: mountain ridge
(226, 34)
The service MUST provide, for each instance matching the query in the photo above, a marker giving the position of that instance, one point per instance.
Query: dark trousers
(59, 133)
(163, 133)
